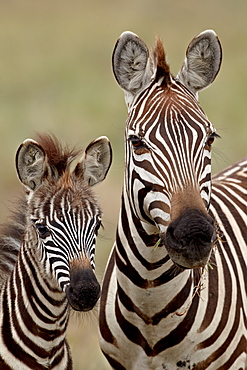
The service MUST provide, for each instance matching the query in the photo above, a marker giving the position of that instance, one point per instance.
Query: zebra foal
(55, 231)
(160, 307)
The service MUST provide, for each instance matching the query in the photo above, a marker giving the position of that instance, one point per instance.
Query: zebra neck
(33, 315)
(145, 273)
(34, 307)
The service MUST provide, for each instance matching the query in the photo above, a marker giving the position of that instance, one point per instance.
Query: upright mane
(160, 62)
(59, 156)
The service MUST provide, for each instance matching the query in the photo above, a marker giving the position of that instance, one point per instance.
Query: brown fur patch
(184, 199)
(80, 263)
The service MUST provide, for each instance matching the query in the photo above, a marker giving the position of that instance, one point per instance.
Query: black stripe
(104, 328)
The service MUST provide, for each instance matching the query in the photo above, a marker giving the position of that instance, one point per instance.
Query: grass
(55, 76)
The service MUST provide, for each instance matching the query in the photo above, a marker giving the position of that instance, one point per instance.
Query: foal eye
(97, 227)
(43, 230)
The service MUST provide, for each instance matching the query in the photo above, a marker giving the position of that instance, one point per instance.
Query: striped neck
(35, 311)
(145, 272)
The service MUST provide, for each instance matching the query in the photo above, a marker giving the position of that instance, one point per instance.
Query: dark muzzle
(84, 290)
(189, 239)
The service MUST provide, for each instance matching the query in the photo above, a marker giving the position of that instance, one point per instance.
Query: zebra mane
(11, 234)
(160, 63)
(59, 157)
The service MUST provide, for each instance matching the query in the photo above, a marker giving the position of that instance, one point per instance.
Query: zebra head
(63, 215)
(168, 143)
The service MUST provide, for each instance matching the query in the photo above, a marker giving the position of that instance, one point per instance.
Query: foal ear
(30, 164)
(95, 162)
(130, 64)
(202, 61)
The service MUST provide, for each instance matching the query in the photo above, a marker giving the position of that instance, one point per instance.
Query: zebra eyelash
(215, 135)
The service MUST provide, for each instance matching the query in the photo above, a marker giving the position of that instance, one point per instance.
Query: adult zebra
(161, 308)
(57, 228)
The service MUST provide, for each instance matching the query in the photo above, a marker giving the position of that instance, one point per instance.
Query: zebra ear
(30, 164)
(95, 162)
(130, 62)
(202, 61)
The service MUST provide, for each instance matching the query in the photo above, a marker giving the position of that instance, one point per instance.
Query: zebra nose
(190, 238)
(84, 290)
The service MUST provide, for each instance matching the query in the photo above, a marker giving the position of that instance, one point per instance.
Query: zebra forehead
(74, 199)
(170, 105)
(64, 197)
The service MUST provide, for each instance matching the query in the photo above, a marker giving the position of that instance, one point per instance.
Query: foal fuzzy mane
(59, 156)
(11, 234)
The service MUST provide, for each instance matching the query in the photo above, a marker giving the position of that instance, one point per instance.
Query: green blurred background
(55, 76)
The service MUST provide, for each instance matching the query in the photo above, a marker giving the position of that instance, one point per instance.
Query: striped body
(161, 308)
(54, 269)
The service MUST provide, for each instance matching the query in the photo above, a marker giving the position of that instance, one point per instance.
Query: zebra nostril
(175, 238)
(172, 233)
(192, 226)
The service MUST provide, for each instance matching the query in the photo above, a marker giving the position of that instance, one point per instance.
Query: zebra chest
(161, 321)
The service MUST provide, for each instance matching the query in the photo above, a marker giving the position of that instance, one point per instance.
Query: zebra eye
(211, 139)
(43, 230)
(138, 144)
(136, 141)
(97, 227)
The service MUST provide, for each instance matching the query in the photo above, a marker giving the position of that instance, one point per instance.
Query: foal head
(63, 215)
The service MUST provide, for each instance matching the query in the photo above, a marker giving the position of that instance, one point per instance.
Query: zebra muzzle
(84, 289)
(190, 238)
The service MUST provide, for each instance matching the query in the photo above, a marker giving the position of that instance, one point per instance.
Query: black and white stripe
(174, 290)
(53, 270)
